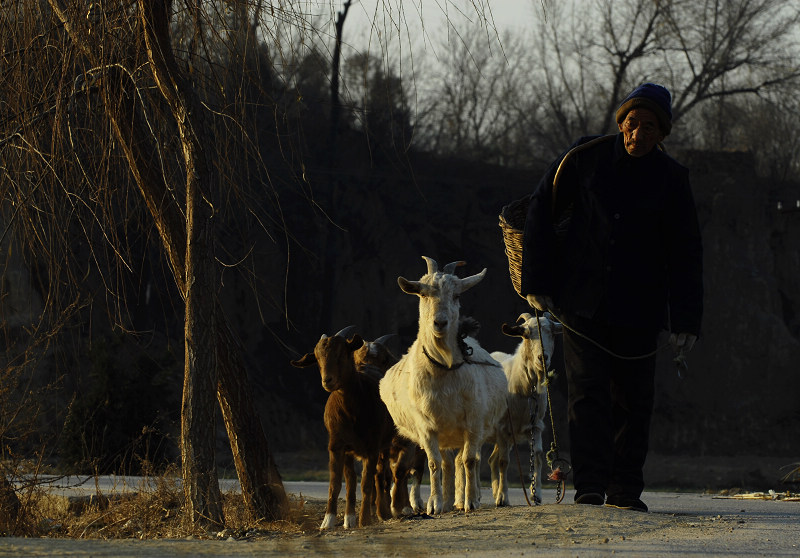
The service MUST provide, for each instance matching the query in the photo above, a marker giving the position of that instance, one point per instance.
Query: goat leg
(435, 467)
(350, 491)
(401, 455)
(335, 465)
(498, 465)
(471, 458)
(417, 471)
(368, 471)
(538, 452)
(382, 485)
(449, 481)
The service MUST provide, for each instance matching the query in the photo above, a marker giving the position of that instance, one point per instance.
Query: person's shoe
(591, 498)
(626, 503)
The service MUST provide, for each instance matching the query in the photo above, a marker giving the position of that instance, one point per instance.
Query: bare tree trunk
(326, 195)
(336, 107)
(198, 416)
(261, 483)
(198, 408)
(262, 487)
(258, 474)
(259, 478)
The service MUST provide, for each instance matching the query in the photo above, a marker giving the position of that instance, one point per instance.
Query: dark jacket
(629, 251)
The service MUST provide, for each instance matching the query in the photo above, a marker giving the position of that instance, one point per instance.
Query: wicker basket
(512, 223)
(512, 218)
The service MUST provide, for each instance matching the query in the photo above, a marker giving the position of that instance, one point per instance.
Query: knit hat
(650, 96)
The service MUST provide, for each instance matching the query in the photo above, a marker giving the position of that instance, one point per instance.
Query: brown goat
(359, 426)
(406, 459)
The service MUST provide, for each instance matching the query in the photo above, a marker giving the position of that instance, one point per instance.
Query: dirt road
(679, 524)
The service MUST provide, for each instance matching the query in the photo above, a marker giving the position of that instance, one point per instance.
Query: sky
(422, 24)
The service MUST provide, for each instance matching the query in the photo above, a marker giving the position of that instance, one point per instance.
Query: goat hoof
(349, 521)
(406, 511)
(328, 522)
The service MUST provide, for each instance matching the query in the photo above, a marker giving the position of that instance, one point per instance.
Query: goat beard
(440, 349)
(537, 374)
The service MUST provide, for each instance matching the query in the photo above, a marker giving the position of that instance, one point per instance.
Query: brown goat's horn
(524, 317)
(433, 267)
(346, 332)
(451, 267)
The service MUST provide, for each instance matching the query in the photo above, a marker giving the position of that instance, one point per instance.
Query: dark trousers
(610, 403)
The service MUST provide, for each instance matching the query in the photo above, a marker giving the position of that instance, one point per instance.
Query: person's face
(641, 131)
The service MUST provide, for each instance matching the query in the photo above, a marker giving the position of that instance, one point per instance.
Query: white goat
(445, 392)
(527, 376)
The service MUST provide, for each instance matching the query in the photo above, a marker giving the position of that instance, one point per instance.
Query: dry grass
(153, 511)
(793, 475)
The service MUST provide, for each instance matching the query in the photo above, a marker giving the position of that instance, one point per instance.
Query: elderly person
(614, 249)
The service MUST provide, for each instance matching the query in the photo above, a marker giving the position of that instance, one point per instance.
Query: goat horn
(524, 317)
(382, 340)
(346, 332)
(433, 267)
(471, 281)
(451, 267)
(323, 336)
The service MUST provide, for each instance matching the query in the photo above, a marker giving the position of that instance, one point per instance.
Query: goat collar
(439, 364)
(466, 350)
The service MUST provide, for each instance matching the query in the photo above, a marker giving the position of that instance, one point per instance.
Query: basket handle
(571, 152)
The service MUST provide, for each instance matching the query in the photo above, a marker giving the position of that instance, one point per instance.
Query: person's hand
(540, 302)
(683, 341)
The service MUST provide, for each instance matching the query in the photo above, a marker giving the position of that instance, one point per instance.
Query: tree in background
(471, 107)
(386, 114)
(581, 58)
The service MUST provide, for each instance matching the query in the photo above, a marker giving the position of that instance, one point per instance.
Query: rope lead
(557, 473)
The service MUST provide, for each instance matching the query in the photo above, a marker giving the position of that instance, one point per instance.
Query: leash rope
(516, 450)
(557, 474)
(600, 346)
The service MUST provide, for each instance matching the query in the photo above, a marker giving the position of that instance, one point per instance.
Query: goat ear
(307, 359)
(410, 287)
(469, 282)
(558, 327)
(512, 331)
